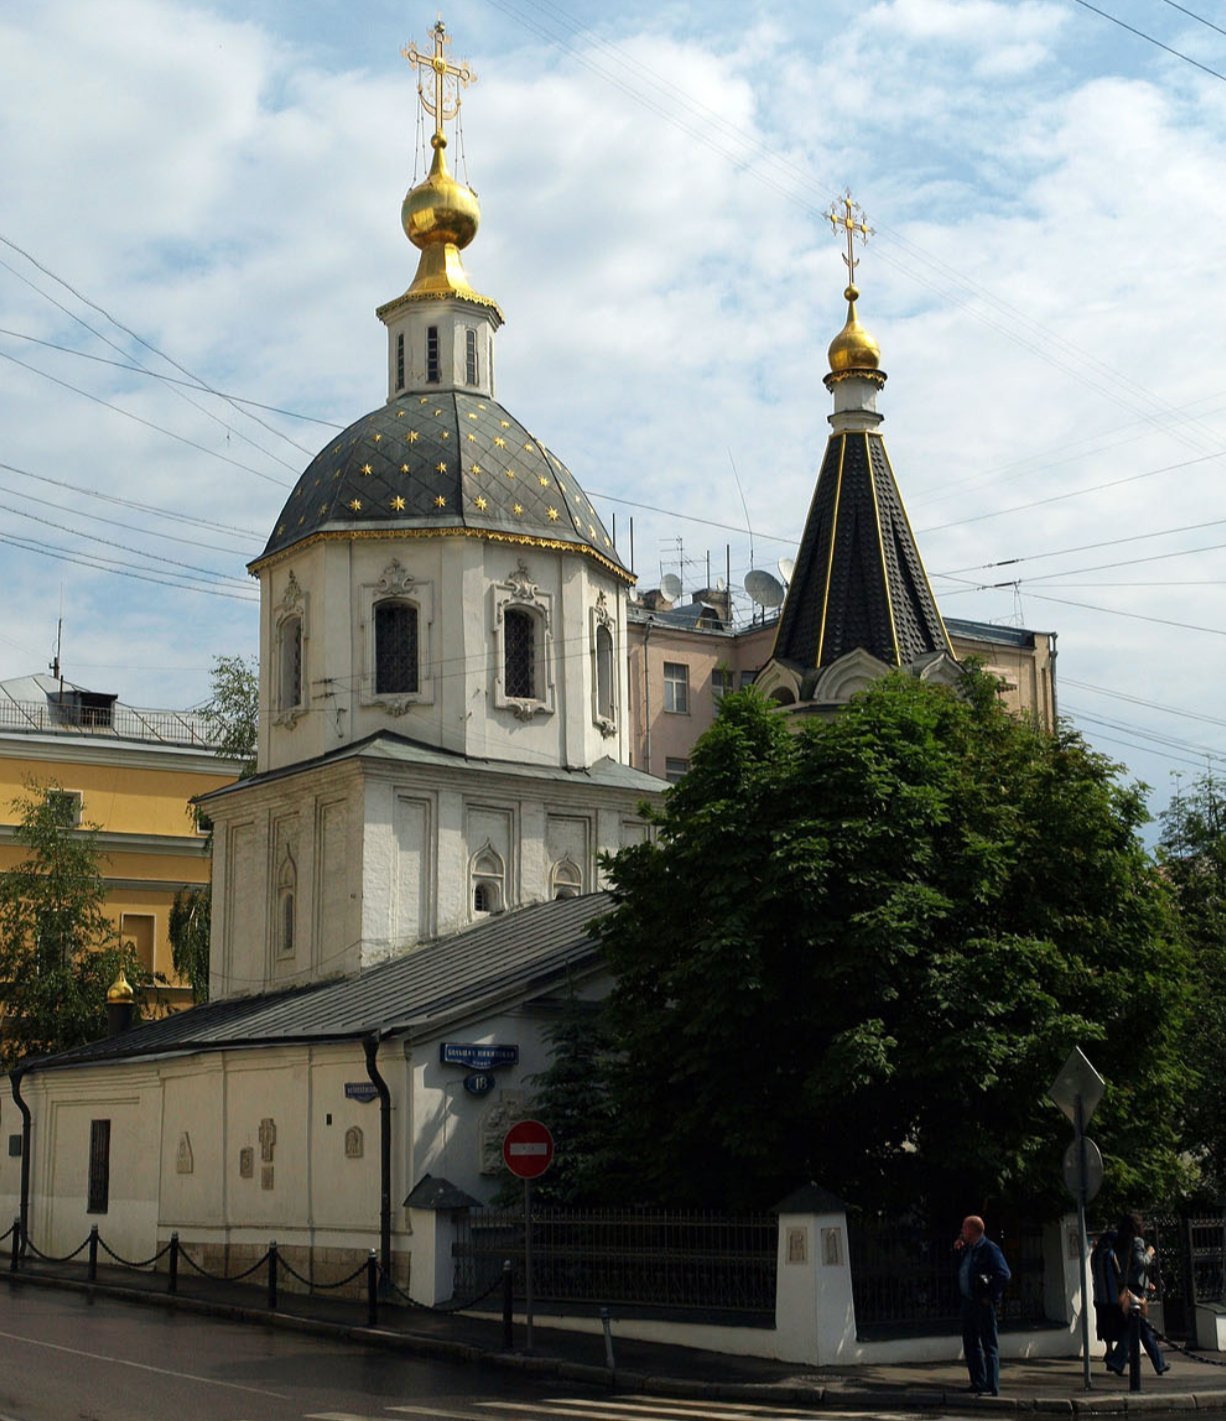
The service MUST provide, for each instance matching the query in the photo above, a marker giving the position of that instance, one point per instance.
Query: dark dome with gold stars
(438, 465)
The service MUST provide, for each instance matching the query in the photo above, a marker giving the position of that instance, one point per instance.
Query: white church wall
(194, 1194)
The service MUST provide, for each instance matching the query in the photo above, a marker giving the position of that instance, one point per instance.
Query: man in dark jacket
(982, 1275)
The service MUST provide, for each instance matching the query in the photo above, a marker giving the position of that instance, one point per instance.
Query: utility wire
(1192, 15)
(99, 564)
(1187, 58)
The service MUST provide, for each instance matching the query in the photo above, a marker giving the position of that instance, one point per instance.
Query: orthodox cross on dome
(440, 107)
(853, 221)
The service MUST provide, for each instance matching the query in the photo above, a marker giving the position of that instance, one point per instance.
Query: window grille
(400, 361)
(395, 649)
(483, 898)
(604, 673)
(567, 879)
(487, 874)
(470, 356)
(676, 688)
(291, 663)
(519, 634)
(432, 364)
(99, 1166)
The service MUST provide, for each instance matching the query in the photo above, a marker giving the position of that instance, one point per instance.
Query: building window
(676, 688)
(470, 356)
(289, 691)
(66, 806)
(395, 648)
(136, 931)
(287, 883)
(432, 365)
(400, 361)
(488, 880)
(675, 769)
(604, 673)
(566, 880)
(99, 1166)
(519, 669)
(286, 943)
(721, 683)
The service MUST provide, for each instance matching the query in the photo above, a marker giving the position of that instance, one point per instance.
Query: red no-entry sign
(527, 1149)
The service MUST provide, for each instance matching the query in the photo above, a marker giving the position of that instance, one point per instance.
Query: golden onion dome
(440, 210)
(853, 349)
(120, 990)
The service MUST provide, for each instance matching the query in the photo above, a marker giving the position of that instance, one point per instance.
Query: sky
(202, 199)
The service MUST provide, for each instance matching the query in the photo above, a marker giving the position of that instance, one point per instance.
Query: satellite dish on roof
(787, 566)
(670, 585)
(764, 588)
(720, 585)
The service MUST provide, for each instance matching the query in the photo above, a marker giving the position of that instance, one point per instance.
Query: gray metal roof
(990, 631)
(504, 959)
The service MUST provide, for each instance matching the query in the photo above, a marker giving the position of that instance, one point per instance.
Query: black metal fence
(904, 1277)
(1190, 1252)
(720, 1264)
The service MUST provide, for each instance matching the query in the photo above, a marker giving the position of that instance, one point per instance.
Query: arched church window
(604, 673)
(289, 683)
(287, 883)
(395, 648)
(519, 639)
(470, 356)
(566, 880)
(400, 361)
(488, 882)
(433, 372)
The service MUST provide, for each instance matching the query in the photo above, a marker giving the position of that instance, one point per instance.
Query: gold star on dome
(542, 480)
(562, 487)
(438, 413)
(302, 520)
(404, 468)
(472, 438)
(399, 414)
(323, 508)
(412, 436)
(475, 469)
(471, 414)
(505, 423)
(499, 442)
(440, 502)
(607, 543)
(425, 400)
(378, 437)
(517, 509)
(441, 467)
(480, 406)
(444, 435)
(510, 473)
(531, 448)
(280, 529)
(481, 503)
(356, 504)
(316, 484)
(552, 515)
(592, 531)
(398, 504)
(337, 450)
(366, 471)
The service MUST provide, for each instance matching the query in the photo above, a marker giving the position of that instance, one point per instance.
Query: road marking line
(441, 1412)
(678, 1405)
(142, 1366)
(614, 1410)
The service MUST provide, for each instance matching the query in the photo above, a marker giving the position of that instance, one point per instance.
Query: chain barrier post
(272, 1276)
(13, 1261)
(93, 1253)
(608, 1343)
(1134, 1345)
(172, 1266)
(508, 1306)
(372, 1289)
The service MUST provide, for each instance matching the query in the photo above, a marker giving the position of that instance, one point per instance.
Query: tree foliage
(58, 951)
(188, 929)
(232, 710)
(859, 953)
(1192, 850)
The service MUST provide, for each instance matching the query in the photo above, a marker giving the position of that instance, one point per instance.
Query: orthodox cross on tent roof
(441, 106)
(853, 221)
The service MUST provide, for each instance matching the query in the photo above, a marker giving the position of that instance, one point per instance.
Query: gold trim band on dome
(474, 298)
(885, 566)
(836, 377)
(834, 537)
(491, 535)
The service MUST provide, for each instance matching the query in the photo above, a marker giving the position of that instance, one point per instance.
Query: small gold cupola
(120, 989)
(441, 215)
(853, 352)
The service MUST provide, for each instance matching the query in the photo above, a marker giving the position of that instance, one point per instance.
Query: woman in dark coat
(1135, 1261)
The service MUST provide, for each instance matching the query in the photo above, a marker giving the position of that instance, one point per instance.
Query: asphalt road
(64, 1358)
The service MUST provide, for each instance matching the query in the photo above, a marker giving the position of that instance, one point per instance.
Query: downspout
(1051, 667)
(371, 1047)
(647, 693)
(15, 1082)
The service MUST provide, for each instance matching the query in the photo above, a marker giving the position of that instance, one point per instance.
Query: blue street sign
(477, 1058)
(365, 1091)
(479, 1083)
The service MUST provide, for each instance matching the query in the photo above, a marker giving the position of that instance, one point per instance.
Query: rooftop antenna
(59, 642)
(764, 588)
(670, 585)
(744, 505)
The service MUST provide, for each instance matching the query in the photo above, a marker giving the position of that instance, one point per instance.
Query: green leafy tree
(859, 953)
(1192, 850)
(232, 714)
(58, 951)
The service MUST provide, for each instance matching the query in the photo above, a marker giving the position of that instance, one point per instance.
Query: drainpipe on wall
(15, 1082)
(1051, 671)
(647, 693)
(371, 1047)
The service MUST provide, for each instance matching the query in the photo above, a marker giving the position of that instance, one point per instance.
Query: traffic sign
(1077, 1078)
(527, 1149)
(1094, 1168)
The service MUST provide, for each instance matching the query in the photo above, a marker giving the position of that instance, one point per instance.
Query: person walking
(1135, 1263)
(1109, 1321)
(982, 1275)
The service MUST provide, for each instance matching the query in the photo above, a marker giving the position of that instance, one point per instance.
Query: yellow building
(132, 774)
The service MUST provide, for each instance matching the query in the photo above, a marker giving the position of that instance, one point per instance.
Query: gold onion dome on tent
(120, 990)
(853, 349)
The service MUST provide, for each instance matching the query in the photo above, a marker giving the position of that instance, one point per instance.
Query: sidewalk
(1046, 1385)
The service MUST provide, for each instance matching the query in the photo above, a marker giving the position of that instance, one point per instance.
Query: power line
(100, 564)
(1187, 58)
(1141, 701)
(1192, 15)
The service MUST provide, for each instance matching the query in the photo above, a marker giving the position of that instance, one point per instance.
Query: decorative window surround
(565, 879)
(397, 584)
(519, 593)
(604, 668)
(488, 876)
(290, 619)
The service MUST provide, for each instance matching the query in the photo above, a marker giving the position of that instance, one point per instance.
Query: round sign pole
(527, 1151)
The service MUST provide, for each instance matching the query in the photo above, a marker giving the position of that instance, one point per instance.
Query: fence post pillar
(372, 1289)
(172, 1266)
(272, 1276)
(93, 1253)
(16, 1255)
(815, 1314)
(508, 1306)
